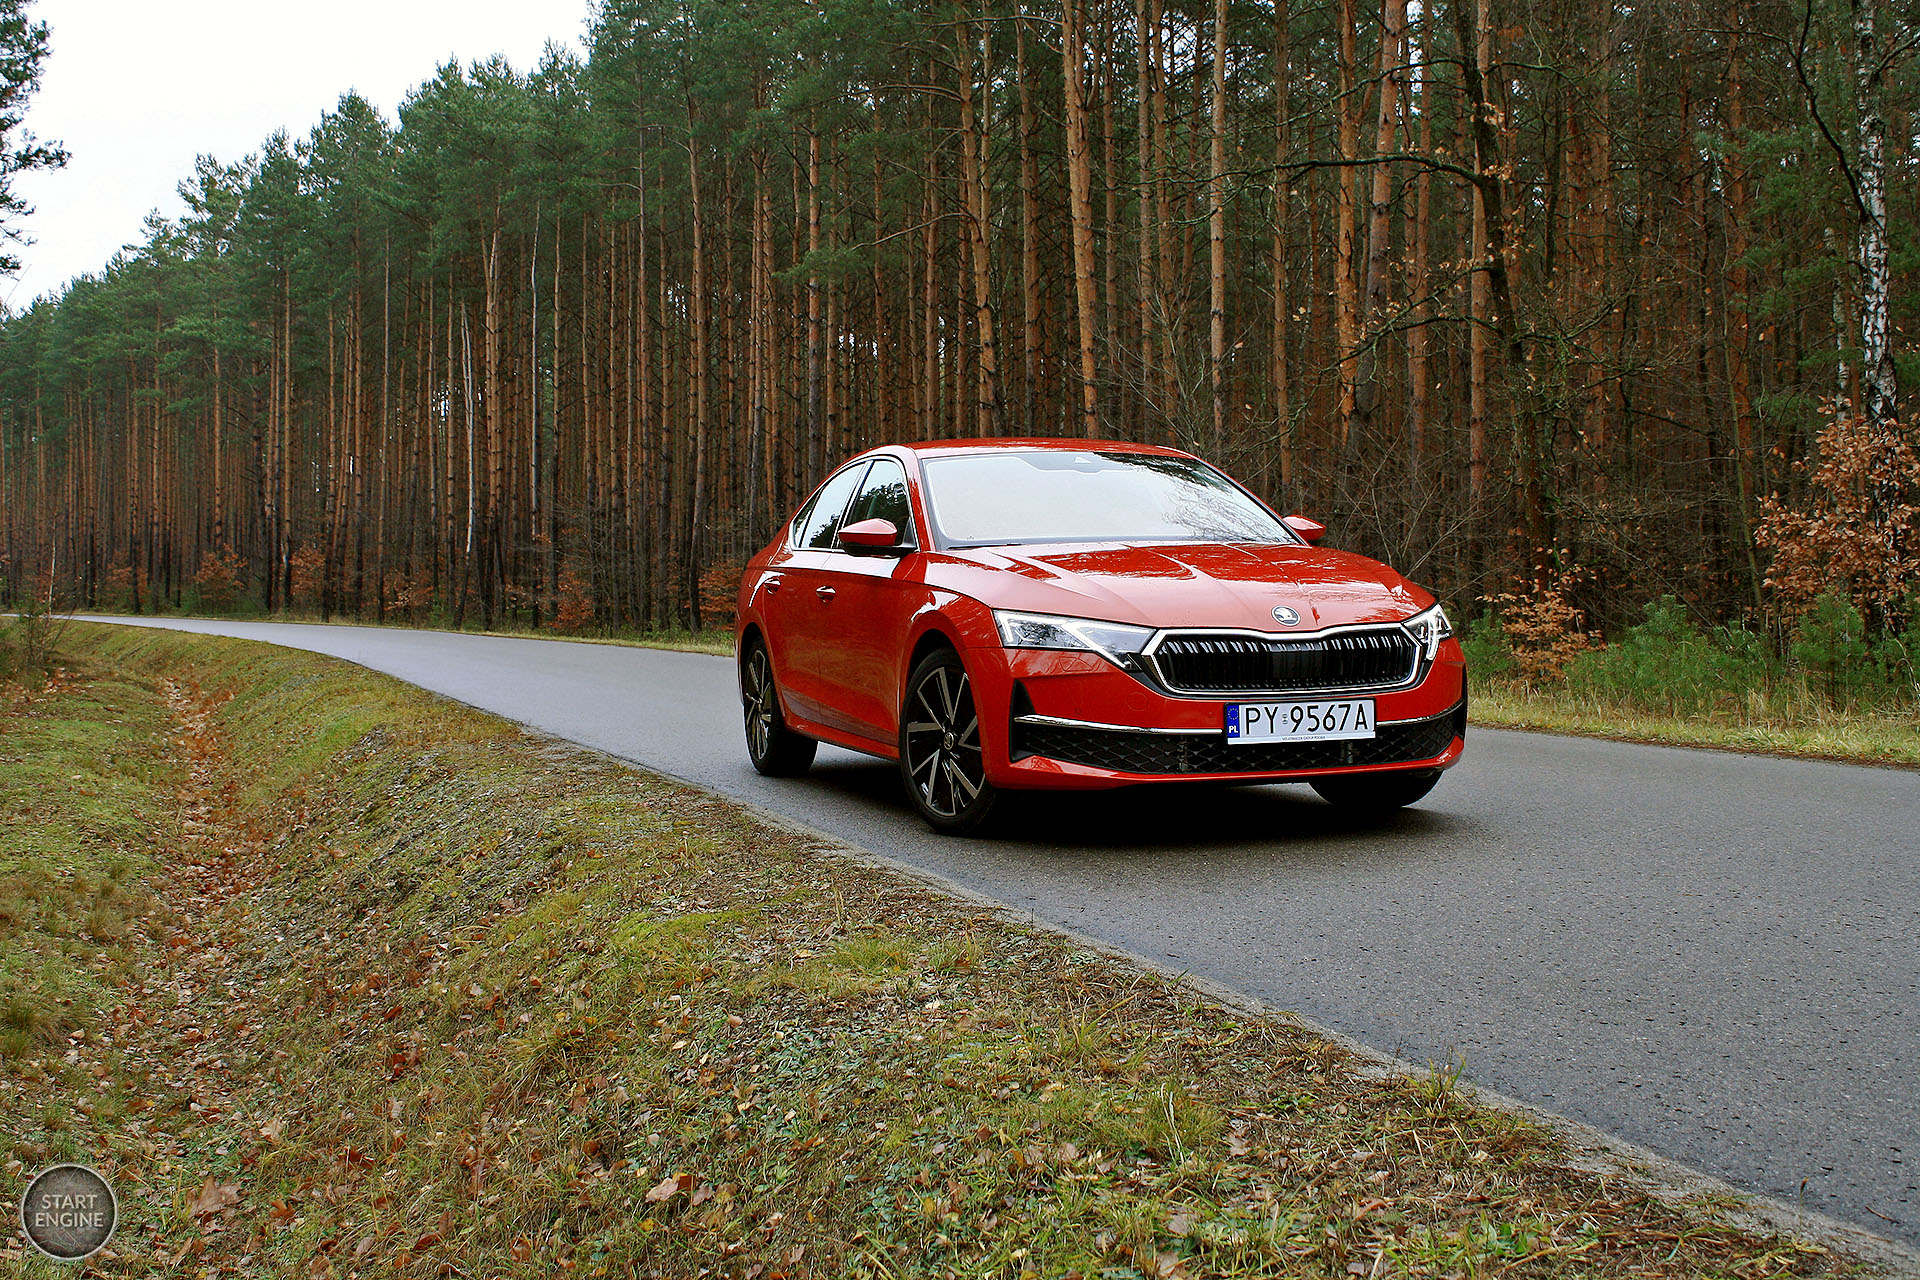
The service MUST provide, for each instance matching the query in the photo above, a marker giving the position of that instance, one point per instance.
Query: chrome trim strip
(1412, 678)
(1442, 715)
(1061, 722)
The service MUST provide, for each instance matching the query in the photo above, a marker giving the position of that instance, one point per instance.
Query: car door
(803, 615)
(875, 597)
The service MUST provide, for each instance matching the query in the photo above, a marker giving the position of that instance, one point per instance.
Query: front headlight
(1117, 642)
(1429, 628)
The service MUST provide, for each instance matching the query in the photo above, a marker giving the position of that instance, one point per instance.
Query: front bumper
(1072, 721)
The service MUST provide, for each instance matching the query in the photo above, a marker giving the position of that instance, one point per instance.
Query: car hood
(1193, 585)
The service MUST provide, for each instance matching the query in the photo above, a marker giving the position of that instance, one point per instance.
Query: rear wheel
(941, 762)
(1376, 792)
(775, 750)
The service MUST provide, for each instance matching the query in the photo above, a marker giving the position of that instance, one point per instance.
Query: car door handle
(825, 593)
(772, 585)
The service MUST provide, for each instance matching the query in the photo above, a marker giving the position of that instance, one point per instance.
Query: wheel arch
(934, 638)
(750, 634)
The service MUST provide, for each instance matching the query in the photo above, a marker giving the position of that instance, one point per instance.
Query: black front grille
(1166, 753)
(1194, 663)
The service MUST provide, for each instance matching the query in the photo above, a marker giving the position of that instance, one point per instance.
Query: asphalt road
(1714, 956)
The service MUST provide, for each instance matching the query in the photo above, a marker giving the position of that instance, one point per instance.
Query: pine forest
(1602, 297)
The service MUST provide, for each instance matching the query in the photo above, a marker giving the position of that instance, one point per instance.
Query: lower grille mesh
(1211, 753)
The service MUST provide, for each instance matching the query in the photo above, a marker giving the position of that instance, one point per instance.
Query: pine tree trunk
(1029, 241)
(1080, 182)
(1282, 192)
(1346, 304)
(1393, 32)
(973, 162)
(1217, 231)
(701, 340)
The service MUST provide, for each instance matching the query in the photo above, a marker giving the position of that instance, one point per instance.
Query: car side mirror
(874, 537)
(1311, 530)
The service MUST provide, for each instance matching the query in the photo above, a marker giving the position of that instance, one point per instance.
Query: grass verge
(708, 640)
(419, 994)
(1812, 729)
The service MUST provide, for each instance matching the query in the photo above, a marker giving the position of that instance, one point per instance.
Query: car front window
(884, 497)
(1060, 495)
(816, 524)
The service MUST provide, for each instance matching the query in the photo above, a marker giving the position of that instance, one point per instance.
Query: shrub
(1668, 663)
(720, 595)
(222, 575)
(1858, 537)
(412, 594)
(1835, 645)
(309, 567)
(122, 588)
(1544, 628)
(572, 602)
(30, 639)
(1489, 655)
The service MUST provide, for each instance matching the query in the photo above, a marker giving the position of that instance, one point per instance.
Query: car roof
(1023, 443)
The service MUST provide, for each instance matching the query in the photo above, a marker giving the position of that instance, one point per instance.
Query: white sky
(137, 88)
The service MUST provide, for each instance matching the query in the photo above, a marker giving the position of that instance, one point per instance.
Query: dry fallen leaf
(215, 1196)
(667, 1187)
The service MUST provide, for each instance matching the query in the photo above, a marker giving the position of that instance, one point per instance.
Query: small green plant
(1835, 645)
(1668, 663)
(1489, 654)
(34, 634)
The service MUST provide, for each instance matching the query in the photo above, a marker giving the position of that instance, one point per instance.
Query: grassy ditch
(388, 987)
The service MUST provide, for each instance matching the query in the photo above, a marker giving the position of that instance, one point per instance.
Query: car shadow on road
(1194, 817)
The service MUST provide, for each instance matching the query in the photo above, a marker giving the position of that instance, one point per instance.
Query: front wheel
(941, 762)
(775, 750)
(1376, 792)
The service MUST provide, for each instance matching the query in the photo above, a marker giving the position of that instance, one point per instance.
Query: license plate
(1299, 721)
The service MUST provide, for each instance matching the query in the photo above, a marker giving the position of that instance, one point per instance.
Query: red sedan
(1002, 614)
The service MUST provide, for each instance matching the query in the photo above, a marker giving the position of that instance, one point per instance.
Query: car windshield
(1070, 495)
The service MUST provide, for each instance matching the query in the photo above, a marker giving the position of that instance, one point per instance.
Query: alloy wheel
(944, 762)
(776, 750)
(757, 698)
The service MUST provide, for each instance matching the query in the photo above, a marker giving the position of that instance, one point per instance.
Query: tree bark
(1217, 230)
(1080, 183)
(973, 162)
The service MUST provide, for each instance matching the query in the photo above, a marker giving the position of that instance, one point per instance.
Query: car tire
(1376, 792)
(776, 751)
(941, 762)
